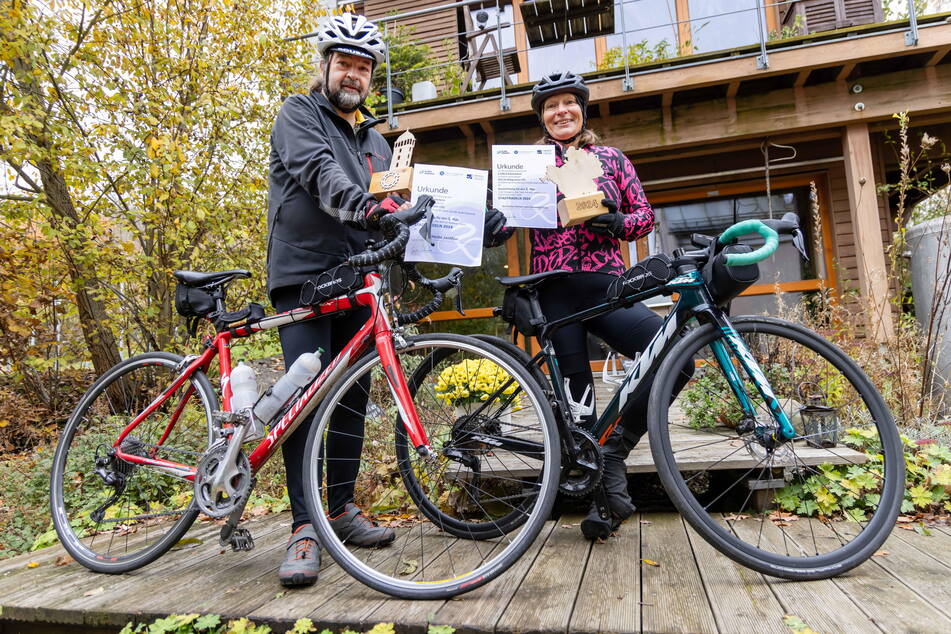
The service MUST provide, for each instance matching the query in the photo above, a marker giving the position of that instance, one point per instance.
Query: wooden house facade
(702, 125)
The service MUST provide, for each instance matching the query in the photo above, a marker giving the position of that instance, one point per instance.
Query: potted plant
(468, 384)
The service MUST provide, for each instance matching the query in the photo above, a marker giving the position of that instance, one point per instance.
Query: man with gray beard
(323, 151)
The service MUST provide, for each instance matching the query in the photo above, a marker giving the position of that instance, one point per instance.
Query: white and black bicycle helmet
(353, 35)
(557, 83)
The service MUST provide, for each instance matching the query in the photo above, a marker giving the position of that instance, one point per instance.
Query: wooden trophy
(575, 179)
(399, 178)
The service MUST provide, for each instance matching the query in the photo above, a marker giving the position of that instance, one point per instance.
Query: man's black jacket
(317, 193)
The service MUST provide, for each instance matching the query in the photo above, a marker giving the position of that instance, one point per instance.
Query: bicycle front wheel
(111, 515)
(462, 515)
(811, 507)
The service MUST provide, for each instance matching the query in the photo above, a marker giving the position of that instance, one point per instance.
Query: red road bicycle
(458, 450)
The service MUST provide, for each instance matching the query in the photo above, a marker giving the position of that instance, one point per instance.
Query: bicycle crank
(580, 476)
(222, 484)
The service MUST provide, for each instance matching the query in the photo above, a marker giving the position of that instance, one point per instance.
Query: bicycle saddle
(530, 280)
(194, 278)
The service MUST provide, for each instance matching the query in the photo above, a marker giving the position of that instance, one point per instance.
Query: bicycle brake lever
(799, 241)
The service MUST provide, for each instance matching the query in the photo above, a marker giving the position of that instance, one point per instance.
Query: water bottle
(298, 375)
(244, 393)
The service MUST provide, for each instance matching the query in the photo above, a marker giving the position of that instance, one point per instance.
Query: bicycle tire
(462, 529)
(102, 413)
(427, 561)
(518, 354)
(789, 542)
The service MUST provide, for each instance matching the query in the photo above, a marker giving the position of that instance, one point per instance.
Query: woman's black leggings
(626, 330)
(331, 334)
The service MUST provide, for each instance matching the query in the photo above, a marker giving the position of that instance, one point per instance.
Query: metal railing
(465, 40)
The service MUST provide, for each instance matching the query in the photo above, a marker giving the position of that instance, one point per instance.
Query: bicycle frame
(377, 326)
(694, 302)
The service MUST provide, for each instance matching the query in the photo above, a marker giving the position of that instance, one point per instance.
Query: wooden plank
(36, 580)
(675, 576)
(821, 604)
(556, 572)
(915, 568)
(65, 600)
(886, 600)
(174, 591)
(361, 601)
(464, 555)
(743, 600)
(872, 269)
(609, 599)
(481, 609)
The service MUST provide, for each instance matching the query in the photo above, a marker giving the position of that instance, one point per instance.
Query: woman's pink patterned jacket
(578, 248)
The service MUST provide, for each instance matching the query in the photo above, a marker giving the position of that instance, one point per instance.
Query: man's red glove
(386, 206)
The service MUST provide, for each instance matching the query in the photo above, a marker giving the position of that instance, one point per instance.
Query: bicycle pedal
(241, 540)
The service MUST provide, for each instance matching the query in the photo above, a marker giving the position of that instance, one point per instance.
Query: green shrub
(852, 491)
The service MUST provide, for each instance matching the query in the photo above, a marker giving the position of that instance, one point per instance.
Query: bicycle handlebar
(743, 228)
(394, 226)
(437, 286)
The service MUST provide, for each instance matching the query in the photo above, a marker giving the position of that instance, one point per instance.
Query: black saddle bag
(521, 310)
(193, 302)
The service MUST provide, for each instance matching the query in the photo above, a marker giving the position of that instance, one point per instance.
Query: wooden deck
(656, 576)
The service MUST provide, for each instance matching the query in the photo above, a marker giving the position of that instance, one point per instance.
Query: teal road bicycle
(778, 450)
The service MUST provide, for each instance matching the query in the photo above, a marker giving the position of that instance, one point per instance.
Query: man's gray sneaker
(302, 560)
(353, 527)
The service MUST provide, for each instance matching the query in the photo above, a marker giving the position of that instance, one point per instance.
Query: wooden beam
(847, 69)
(802, 77)
(938, 56)
(772, 16)
(470, 141)
(684, 35)
(872, 47)
(600, 48)
(732, 88)
(521, 41)
(489, 134)
(667, 99)
(866, 227)
(604, 109)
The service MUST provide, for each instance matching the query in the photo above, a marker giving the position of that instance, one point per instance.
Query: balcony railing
(506, 45)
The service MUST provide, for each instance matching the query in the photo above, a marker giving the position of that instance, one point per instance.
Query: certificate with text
(518, 187)
(458, 217)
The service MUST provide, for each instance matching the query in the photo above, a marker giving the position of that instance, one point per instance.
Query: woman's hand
(609, 224)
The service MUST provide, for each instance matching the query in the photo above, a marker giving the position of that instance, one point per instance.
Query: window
(676, 221)
(650, 21)
(721, 24)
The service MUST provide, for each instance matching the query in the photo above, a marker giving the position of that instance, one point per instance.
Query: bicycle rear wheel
(461, 516)
(111, 515)
(809, 508)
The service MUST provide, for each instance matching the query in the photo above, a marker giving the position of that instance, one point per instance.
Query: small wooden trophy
(575, 179)
(399, 178)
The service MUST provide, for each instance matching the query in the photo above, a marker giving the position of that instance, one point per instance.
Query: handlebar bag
(193, 302)
(726, 282)
(329, 284)
(520, 308)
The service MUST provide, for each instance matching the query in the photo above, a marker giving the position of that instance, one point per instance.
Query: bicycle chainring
(220, 501)
(581, 476)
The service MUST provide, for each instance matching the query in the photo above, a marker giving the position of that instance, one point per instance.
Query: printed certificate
(518, 188)
(458, 215)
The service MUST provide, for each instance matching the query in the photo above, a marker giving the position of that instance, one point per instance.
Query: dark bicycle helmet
(556, 83)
